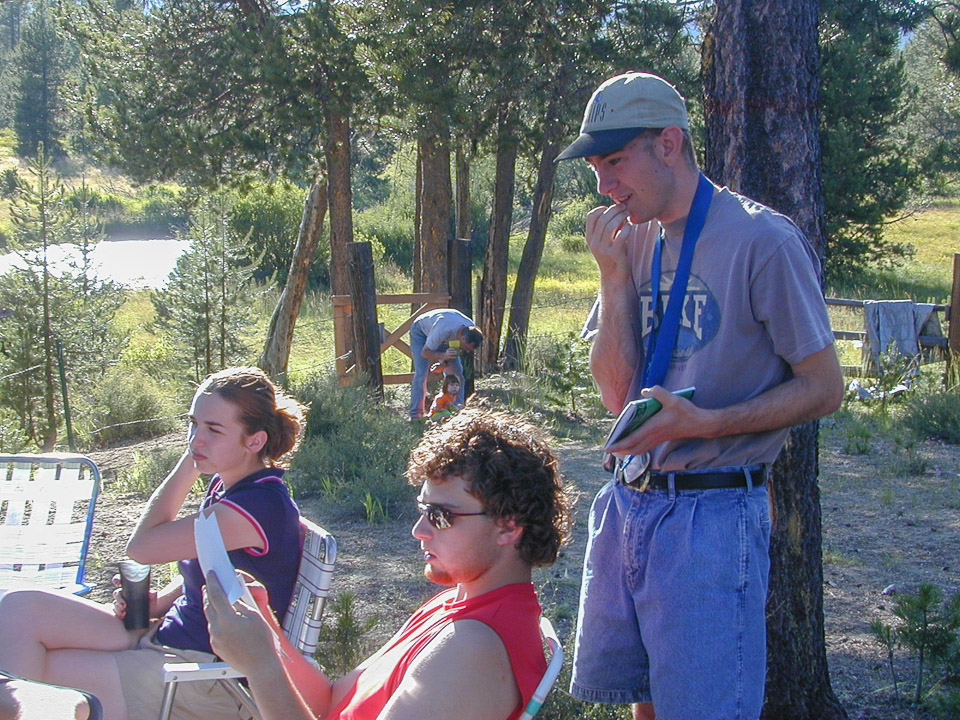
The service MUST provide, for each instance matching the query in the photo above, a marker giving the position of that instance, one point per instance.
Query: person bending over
(439, 336)
(492, 505)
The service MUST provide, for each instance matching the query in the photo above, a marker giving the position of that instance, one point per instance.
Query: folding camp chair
(301, 624)
(553, 670)
(46, 517)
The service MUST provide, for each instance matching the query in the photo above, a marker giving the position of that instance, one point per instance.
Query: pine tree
(864, 100)
(40, 64)
(201, 307)
(73, 308)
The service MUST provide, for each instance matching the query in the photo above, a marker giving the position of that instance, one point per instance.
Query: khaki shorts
(141, 676)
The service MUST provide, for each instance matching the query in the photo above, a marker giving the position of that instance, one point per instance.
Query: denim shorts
(672, 602)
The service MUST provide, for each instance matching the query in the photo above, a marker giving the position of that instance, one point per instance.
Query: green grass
(934, 234)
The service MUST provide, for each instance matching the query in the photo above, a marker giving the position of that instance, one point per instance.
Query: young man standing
(699, 287)
(492, 505)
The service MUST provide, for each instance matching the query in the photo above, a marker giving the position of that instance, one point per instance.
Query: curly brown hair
(508, 468)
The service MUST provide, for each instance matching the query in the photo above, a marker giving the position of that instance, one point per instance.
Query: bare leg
(643, 711)
(25, 700)
(65, 640)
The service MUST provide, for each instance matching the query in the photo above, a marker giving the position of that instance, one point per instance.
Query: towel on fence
(898, 321)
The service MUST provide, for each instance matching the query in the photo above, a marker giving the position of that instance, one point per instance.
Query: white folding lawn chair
(46, 517)
(553, 669)
(301, 624)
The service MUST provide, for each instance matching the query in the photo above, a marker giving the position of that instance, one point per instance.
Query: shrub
(394, 231)
(573, 243)
(355, 449)
(147, 470)
(562, 362)
(12, 437)
(343, 645)
(571, 218)
(928, 626)
(158, 205)
(9, 182)
(268, 216)
(130, 405)
(857, 435)
(935, 416)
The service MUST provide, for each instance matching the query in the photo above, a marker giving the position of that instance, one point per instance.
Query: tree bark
(493, 285)
(276, 351)
(461, 212)
(366, 330)
(340, 195)
(761, 75)
(463, 193)
(519, 323)
(417, 220)
(435, 201)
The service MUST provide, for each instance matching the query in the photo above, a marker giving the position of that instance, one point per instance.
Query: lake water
(132, 263)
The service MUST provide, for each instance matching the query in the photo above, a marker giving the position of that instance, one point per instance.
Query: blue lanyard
(663, 335)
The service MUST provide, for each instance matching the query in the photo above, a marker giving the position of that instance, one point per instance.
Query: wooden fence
(949, 345)
(342, 311)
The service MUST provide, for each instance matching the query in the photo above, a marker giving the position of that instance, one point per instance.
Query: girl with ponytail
(240, 430)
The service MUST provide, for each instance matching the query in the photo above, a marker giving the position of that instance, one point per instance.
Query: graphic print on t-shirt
(699, 319)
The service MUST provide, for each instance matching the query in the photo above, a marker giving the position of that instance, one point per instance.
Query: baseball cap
(622, 108)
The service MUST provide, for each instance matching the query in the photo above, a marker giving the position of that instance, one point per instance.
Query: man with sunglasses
(492, 506)
(699, 287)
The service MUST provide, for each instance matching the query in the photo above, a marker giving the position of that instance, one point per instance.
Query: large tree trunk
(417, 222)
(461, 206)
(493, 285)
(462, 210)
(276, 351)
(515, 345)
(435, 201)
(337, 150)
(760, 67)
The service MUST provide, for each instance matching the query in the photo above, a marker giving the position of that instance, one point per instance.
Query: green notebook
(635, 413)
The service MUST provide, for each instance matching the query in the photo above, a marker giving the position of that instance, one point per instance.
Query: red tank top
(512, 611)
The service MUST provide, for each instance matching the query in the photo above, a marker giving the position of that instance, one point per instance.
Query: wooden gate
(343, 323)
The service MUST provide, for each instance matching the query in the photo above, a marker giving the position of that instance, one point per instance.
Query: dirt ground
(881, 528)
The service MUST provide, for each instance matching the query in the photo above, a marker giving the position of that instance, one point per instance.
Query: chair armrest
(189, 672)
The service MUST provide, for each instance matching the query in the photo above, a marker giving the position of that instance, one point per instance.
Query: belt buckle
(639, 482)
(644, 484)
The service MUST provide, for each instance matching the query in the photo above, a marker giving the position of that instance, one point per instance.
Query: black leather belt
(701, 480)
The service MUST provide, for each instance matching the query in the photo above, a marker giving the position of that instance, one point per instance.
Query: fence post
(66, 402)
(953, 333)
(461, 299)
(366, 330)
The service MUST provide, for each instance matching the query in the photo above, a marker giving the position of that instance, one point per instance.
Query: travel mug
(135, 584)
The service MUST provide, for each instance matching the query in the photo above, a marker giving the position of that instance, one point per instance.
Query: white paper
(213, 558)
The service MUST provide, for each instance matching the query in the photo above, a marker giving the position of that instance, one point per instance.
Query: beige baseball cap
(622, 108)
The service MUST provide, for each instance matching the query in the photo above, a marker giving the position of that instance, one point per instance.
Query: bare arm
(815, 390)
(464, 673)
(613, 356)
(285, 685)
(438, 355)
(161, 537)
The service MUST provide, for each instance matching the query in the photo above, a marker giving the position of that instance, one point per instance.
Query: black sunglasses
(440, 517)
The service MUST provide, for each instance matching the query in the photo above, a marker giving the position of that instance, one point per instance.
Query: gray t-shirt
(753, 307)
(441, 325)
